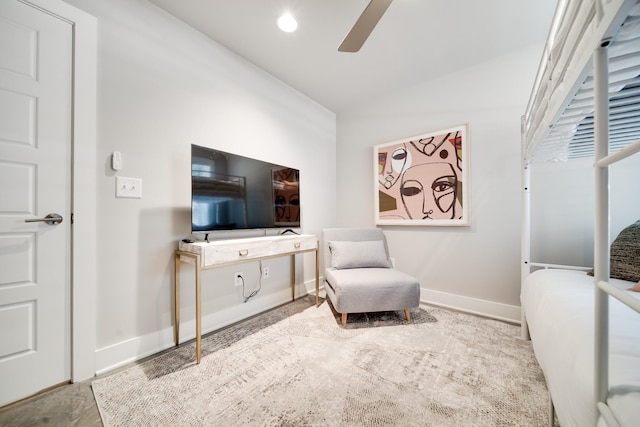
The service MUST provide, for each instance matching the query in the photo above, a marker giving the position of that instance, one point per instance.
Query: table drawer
(237, 250)
(293, 245)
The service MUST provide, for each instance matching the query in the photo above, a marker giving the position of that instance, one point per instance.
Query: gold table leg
(317, 274)
(176, 300)
(293, 277)
(198, 310)
(198, 273)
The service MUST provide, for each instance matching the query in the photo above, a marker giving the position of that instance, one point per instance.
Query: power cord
(254, 293)
(288, 230)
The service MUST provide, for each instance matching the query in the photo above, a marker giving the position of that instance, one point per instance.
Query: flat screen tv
(233, 192)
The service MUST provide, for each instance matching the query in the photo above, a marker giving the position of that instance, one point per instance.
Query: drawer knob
(243, 252)
(296, 245)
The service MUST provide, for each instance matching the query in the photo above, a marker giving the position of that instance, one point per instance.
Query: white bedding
(559, 309)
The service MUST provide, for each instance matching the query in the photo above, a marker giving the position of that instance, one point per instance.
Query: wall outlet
(238, 279)
(265, 272)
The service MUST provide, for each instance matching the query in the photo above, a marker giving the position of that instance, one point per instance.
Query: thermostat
(116, 161)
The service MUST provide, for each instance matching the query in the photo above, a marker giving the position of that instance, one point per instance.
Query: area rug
(296, 366)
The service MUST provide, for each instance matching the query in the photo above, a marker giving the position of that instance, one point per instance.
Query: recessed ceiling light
(287, 23)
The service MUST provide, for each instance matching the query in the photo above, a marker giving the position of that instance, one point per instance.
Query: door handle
(51, 219)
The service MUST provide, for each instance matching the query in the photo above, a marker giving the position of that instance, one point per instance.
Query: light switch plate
(129, 187)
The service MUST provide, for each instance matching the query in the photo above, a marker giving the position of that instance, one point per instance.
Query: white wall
(563, 201)
(161, 87)
(474, 268)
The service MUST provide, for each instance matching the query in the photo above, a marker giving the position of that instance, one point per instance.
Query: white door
(35, 179)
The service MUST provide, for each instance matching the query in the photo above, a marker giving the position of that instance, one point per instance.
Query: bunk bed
(586, 103)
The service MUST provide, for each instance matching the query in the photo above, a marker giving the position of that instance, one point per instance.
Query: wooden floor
(66, 405)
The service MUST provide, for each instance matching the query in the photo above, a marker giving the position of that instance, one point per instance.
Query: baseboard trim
(132, 350)
(490, 309)
(485, 308)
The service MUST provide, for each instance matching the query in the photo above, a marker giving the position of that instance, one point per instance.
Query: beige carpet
(295, 366)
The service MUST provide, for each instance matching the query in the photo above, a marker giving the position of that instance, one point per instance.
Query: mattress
(559, 310)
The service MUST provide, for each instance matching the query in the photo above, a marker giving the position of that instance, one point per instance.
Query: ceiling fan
(364, 25)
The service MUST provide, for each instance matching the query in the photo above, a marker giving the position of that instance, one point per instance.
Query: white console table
(220, 253)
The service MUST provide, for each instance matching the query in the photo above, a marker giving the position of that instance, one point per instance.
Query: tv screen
(230, 192)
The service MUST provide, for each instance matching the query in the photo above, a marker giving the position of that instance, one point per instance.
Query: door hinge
(72, 218)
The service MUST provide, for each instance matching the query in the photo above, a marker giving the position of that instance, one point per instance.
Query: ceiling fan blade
(364, 25)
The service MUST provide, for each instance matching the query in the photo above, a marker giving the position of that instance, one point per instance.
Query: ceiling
(415, 41)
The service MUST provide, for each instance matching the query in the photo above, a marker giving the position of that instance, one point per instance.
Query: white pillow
(363, 254)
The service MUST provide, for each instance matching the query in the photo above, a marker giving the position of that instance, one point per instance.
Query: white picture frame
(424, 179)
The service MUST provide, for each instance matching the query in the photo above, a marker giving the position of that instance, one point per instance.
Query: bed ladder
(601, 233)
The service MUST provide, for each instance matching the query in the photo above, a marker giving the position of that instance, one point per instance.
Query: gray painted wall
(563, 200)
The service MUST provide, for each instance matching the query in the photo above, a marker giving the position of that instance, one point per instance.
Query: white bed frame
(575, 70)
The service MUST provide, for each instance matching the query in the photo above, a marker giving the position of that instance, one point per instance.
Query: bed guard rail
(621, 296)
(621, 154)
(559, 266)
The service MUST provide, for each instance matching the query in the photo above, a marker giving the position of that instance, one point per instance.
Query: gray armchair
(359, 276)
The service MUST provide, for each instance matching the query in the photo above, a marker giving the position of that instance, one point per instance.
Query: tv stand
(221, 253)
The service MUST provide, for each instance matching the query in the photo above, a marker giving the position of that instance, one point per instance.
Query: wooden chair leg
(407, 314)
(344, 319)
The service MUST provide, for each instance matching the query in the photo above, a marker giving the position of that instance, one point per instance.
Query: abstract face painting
(423, 180)
(391, 164)
(434, 198)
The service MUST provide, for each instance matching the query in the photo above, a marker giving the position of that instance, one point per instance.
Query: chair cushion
(363, 254)
(348, 235)
(360, 290)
